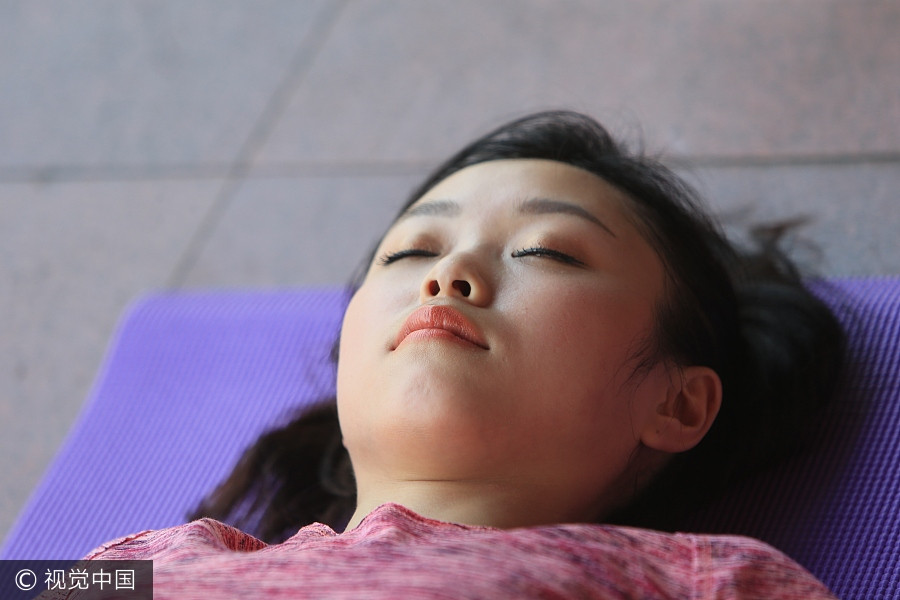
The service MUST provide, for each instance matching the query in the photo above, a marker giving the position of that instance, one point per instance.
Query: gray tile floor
(148, 144)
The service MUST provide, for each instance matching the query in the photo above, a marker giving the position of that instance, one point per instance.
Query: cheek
(578, 350)
(353, 364)
(585, 330)
(362, 377)
(352, 336)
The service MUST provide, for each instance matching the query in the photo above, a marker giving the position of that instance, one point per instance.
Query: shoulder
(742, 567)
(198, 536)
(643, 563)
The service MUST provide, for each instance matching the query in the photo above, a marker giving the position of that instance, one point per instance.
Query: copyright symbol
(22, 577)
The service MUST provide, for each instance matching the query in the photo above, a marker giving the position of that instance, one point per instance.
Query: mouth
(440, 322)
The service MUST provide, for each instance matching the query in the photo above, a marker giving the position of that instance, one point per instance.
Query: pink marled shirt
(395, 553)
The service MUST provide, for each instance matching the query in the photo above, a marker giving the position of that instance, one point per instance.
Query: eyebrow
(542, 206)
(533, 206)
(432, 208)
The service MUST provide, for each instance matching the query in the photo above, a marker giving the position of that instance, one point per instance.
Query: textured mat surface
(189, 382)
(191, 379)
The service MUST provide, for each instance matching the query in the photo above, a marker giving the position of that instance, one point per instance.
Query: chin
(425, 446)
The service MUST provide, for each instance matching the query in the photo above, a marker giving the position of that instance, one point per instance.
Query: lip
(436, 321)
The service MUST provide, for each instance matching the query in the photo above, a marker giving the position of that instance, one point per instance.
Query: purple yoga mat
(190, 380)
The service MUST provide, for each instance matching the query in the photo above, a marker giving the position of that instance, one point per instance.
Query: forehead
(516, 180)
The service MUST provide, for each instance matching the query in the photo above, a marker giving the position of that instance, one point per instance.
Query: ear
(688, 411)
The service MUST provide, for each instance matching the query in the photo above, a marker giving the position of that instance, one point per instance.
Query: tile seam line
(113, 173)
(304, 57)
(328, 168)
(780, 160)
(300, 64)
(373, 169)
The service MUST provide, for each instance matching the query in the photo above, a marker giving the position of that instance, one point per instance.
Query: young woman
(551, 335)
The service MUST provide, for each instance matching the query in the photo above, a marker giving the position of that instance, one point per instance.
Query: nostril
(434, 288)
(463, 287)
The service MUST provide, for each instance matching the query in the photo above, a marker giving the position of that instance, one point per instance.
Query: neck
(488, 504)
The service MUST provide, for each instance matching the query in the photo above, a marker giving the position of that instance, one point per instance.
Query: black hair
(744, 312)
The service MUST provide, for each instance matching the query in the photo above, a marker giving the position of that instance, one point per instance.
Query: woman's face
(495, 333)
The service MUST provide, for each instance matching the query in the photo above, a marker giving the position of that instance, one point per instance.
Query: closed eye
(540, 251)
(391, 257)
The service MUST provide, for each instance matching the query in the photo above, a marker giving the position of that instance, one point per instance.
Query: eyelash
(549, 253)
(391, 257)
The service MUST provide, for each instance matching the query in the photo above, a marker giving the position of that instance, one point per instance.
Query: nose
(458, 276)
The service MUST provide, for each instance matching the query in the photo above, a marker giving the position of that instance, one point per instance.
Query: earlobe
(688, 411)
